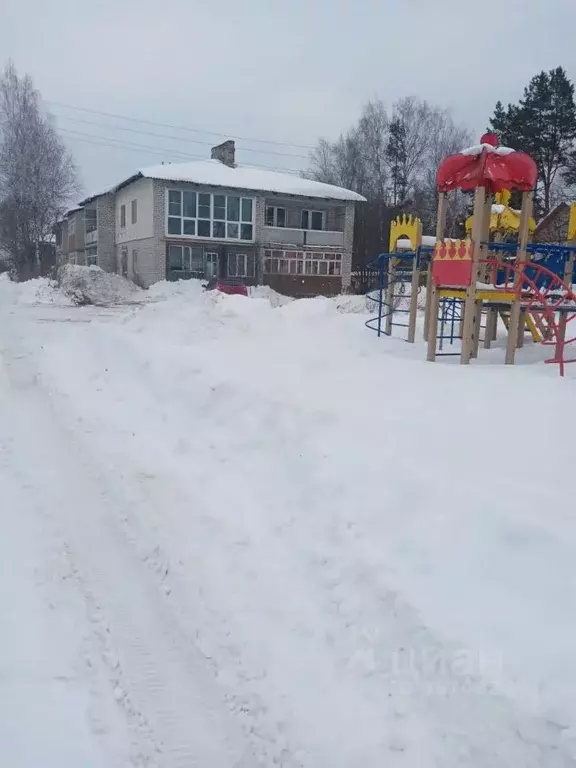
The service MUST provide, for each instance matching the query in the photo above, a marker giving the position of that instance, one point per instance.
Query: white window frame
(91, 259)
(123, 217)
(226, 221)
(311, 211)
(305, 263)
(275, 209)
(211, 258)
(134, 211)
(248, 258)
(186, 260)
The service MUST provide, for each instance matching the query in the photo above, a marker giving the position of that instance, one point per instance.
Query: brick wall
(348, 244)
(151, 262)
(334, 214)
(302, 286)
(106, 207)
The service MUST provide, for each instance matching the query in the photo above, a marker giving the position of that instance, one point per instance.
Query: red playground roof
(490, 166)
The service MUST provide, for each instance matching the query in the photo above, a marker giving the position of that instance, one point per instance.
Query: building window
(275, 217)
(211, 261)
(91, 257)
(184, 258)
(312, 220)
(90, 220)
(71, 227)
(225, 217)
(241, 265)
(123, 216)
(124, 262)
(134, 211)
(300, 263)
(134, 260)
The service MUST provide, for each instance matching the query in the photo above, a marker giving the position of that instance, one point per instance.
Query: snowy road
(222, 546)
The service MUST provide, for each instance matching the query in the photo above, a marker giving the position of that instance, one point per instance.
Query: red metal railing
(544, 295)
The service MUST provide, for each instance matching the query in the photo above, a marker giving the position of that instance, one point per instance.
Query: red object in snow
(495, 168)
(232, 289)
(452, 263)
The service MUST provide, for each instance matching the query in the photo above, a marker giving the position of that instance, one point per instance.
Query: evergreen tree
(396, 156)
(543, 124)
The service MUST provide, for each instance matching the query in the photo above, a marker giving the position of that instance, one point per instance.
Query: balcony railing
(91, 237)
(302, 237)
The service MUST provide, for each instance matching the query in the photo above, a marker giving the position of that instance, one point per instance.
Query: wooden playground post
(470, 330)
(521, 259)
(483, 271)
(432, 302)
(569, 268)
(414, 288)
(491, 331)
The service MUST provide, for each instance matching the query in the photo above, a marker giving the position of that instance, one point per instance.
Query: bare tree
(37, 174)
(392, 160)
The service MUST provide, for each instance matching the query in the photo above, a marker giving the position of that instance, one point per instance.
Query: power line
(109, 141)
(177, 127)
(174, 138)
(122, 145)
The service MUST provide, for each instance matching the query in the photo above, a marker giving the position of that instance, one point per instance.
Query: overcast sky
(286, 71)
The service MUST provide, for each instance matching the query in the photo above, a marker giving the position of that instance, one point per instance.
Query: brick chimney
(225, 153)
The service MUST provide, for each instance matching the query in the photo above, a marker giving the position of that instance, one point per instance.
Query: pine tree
(396, 156)
(543, 124)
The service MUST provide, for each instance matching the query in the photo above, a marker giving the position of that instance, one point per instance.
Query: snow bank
(91, 285)
(186, 291)
(265, 292)
(40, 290)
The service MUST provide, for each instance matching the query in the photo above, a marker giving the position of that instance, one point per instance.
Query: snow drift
(91, 285)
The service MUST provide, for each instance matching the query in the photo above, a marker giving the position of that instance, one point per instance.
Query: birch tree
(37, 174)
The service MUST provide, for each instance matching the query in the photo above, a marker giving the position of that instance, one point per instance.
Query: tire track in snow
(159, 678)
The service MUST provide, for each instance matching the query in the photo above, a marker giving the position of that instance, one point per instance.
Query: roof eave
(248, 189)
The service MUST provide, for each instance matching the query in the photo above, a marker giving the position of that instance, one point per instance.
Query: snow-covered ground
(247, 532)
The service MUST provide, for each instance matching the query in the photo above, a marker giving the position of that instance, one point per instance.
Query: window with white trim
(241, 265)
(123, 216)
(299, 263)
(134, 211)
(312, 220)
(275, 217)
(206, 215)
(185, 258)
(91, 257)
(211, 264)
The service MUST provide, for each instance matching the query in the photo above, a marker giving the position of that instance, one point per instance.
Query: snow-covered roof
(216, 174)
(478, 148)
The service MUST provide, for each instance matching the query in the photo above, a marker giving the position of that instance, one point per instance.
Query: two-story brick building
(214, 218)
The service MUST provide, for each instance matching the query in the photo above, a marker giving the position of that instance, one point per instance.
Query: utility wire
(109, 141)
(174, 138)
(177, 127)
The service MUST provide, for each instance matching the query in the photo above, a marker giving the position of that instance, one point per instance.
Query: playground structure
(400, 277)
(504, 220)
(528, 287)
